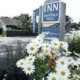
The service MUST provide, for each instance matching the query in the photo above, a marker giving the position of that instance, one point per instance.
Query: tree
(24, 22)
(68, 21)
(79, 25)
(17, 17)
(73, 25)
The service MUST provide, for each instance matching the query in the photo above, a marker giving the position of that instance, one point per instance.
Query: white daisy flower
(42, 35)
(30, 59)
(20, 63)
(67, 53)
(40, 55)
(62, 62)
(29, 69)
(31, 49)
(64, 73)
(46, 46)
(56, 52)
(55, 43)
(37, 44)
(78, 62)
(43, 78)
(71, 61)
(46, 51)
(53, 76)
(39, 39)
(64, 45)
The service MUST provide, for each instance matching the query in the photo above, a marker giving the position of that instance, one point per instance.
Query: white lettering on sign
(55, 7)
(51, 15)
(50, 18)
(51, 7)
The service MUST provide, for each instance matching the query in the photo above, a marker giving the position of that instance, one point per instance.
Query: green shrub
(8, 69)
(74, 46)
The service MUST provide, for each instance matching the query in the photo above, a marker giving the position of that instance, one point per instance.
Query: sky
(13, 8)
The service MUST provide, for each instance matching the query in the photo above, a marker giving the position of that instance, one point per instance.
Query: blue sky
(16, 7)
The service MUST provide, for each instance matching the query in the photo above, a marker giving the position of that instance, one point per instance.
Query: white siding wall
(2, 25)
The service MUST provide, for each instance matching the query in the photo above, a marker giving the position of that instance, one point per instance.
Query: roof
(9, 21)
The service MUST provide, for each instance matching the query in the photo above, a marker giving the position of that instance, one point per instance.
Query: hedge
(12, 33)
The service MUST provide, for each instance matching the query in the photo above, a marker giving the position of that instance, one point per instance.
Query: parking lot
(6, 41)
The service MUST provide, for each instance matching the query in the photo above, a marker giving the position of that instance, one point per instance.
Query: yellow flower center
(37, 44)
(21, 63)
(62, 62)
(29, 68)
(32, 48)
(47, 46)
(47, 51)
(39, 40)
(61, 44)
(55, 44)
(30, 59)
(63, 73)
(34, 42)
(54, 78)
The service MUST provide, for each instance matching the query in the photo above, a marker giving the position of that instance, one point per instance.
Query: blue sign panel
(34, 22)
(53, 32)
(51, 12)
(35, 13)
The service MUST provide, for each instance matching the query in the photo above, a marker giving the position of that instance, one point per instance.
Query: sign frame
(62, 22)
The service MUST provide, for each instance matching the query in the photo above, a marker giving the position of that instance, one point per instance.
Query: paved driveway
(6, 41)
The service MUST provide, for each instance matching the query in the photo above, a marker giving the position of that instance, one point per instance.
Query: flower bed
(49, 60)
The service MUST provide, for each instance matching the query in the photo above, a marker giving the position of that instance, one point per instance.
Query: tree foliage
(70, 23)
(68, 19)
(24, 22)
(74, 46)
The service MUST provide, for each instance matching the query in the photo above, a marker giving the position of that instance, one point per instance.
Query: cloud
(72, 9)
(16, 7)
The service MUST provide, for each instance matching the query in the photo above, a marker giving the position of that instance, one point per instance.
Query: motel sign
(51, 12)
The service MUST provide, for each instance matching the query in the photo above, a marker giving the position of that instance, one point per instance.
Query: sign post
(40, 20)
(62, 21)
